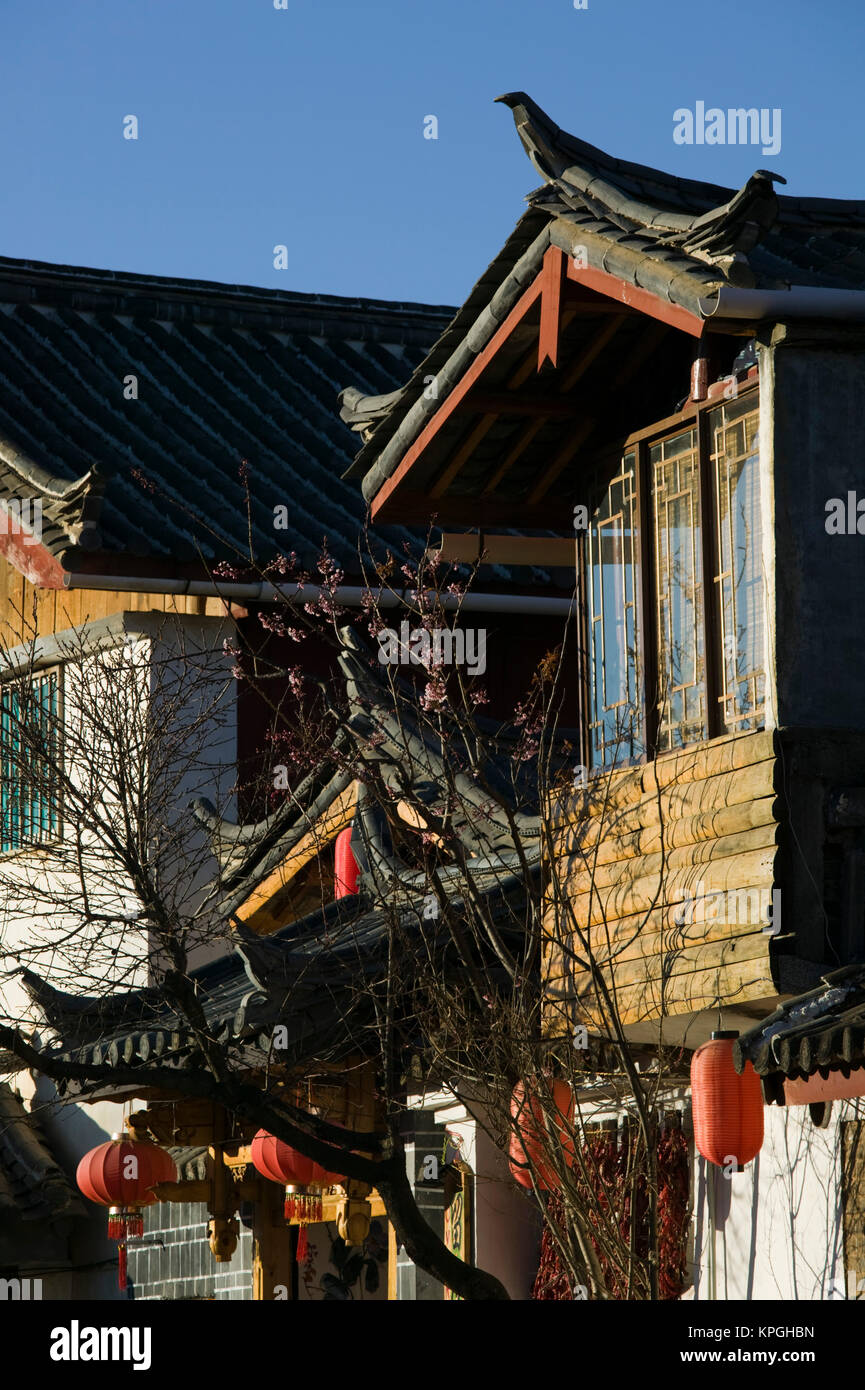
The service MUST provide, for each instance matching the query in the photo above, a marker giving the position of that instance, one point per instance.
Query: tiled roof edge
(83, 288)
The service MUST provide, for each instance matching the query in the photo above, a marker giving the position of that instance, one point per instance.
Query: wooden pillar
(223, 1229)
(274, 1272)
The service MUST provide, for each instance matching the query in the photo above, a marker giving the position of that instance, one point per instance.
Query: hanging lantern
(529, 1135)
(304, 1180)
(727, 1107)
(345, 869)
(119, 1175)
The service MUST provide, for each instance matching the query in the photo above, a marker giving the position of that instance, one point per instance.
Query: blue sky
(304, 126)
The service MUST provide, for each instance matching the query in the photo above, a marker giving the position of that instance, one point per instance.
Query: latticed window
(29, 751)
(733, 430)
(612, 584)
(678, 536)
(675, 589)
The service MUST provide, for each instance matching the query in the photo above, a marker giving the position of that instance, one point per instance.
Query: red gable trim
(460, 391)
(548, 285)
(552, 280)
(36, 563)
(614, 288)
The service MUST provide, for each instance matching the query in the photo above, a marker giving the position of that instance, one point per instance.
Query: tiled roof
(33, 1186)
(381, 728)
(314, 975)
(817, 1032)
(224, 373)
(680, 240)
(680, 227)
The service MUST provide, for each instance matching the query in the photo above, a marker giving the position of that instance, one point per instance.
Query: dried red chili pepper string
(607, 1163)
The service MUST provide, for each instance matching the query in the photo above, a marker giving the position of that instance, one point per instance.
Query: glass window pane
(615, 720)
(733, 435)
(677, 525)
(29, 747)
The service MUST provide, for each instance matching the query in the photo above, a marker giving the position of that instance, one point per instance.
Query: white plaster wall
(776, 1232)
(73, 1129)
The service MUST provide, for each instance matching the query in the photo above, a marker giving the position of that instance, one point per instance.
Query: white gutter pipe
(347, 595)
(798, 302)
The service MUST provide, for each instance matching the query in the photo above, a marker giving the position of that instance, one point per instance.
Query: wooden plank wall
(853, 1206)
(26, 611)
(628, 850)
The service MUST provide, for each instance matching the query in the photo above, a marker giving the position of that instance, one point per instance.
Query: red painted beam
(614, 288)
(552, 279)
(836, 1086)
(460, 391)
(36, 563)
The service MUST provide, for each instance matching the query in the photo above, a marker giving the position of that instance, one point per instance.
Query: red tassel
(121, 1265)
(123, 1222)
(302, 1245)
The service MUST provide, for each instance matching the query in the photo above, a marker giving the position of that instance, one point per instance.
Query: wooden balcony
(729, 874)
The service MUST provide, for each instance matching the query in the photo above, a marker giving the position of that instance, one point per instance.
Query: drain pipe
(347, 595)
(798, 302)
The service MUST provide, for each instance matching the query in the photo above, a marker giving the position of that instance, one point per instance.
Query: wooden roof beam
(547, 551)
(481, 511)
(552, 280)
(523, 440)
(464, 452)
(458, 394)
(514, 403)
(568, 382)
(610, 285)
(561, 460)
(634, 361)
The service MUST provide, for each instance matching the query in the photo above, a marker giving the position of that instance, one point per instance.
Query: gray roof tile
(224, 373)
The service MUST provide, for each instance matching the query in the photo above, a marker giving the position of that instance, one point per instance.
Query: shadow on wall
(71, 1130)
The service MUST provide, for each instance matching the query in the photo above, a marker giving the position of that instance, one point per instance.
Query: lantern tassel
(302, 1245)
(121, 1266)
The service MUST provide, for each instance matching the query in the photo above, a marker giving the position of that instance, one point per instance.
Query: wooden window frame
(55, 833)
(695, 415)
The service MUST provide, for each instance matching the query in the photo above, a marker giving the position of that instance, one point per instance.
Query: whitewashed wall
(149, 641)
(774, 1231)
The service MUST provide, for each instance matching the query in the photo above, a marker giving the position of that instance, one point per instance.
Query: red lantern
(345, 871)
(304, 1180)
(120, 1175)
(727, 1107)
(530, 1134)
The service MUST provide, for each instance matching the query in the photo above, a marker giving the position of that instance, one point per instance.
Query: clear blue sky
(304, 126)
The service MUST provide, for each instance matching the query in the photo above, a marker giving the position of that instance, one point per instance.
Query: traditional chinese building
(669, 374)
(158, 439)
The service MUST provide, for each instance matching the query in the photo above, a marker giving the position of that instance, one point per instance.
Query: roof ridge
(47, 282)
